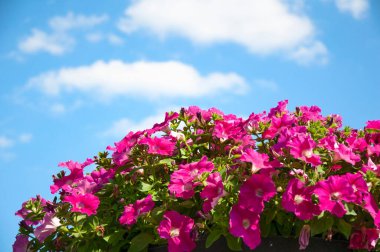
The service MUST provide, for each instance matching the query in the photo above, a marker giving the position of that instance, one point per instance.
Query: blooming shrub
(205, 174)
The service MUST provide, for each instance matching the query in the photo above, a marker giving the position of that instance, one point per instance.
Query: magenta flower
(176, 228)
(83, 203)
(48, 226)
(159, 145)
(133, 211)
(123, 148)
(21, 243)
(65, 182)
(255, 190)
(345, 153)
(258, 160)
(312, 113)
(23, 212)
(364, 239)
(279, 110)
(302, 147)
(181, 184)
(196, 169)
(297, 199)
(332, 192)
(212, 192)
(374, 125)
(277, 124)
(359, 186)
(244, 223)
(372, 167)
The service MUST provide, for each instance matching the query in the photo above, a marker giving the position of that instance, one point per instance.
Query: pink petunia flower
(159, 145)
(277, 124)
(244, 223)
(212, 192)
(133, 211)
(366, 238)
(181, 184)
(23, 212)
(21, 243)
(176, 228)
(374, 125)
(255, 190)
(279, 110)
(48, 226)
(359, 186)
(312, 113)
(332, 192)
(258, 160)
(83, 203)
(302, 147)
(345, 153)
(372, 167)
(297, 199)
(196, 169)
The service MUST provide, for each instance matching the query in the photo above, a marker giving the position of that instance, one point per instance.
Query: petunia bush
(206, 175)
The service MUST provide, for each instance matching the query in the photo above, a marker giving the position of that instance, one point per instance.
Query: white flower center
(307, 153)
(174, 232)
(298, 199)
(335, 195)
(188, 186)
(246, 223)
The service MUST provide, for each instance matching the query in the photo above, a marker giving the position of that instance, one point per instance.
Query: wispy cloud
(59, 40)
(142, 78)
(263, 27)
(267, 84)
(357, 8)
(111, 38)
(6, 142)
(313, 53)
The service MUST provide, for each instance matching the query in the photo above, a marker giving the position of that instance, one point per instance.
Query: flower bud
(304, 237)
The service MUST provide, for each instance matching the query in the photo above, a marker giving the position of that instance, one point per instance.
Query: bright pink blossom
(258, 160)
(21, 243)
(297, 199)
(123, 148)
(371, 166)
(366, 238)
(133, 211)
(83, 203)
(345, 153)
(359, 186)
(176, 228)
(159, 145)
(24, 212)
(244, 223)
(181, 184)
(332, 192)
(212, 192)
(279, 110)
(312, 113)
(302, 147)
(255, 190)
(196, 169)
(277, 124)
(48, 226)
(373, 125)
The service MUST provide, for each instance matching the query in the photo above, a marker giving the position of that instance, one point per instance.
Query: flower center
(254, 168)
(307, 153)
(80, 205)
(298, 199)
(335, 195)
(259, 192)
(188, 186)
(246, 223)
(174, 232)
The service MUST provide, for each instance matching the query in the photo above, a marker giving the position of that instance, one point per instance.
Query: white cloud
(267, 84)
(96, 37)
(53, 43)
(74, 21)
(357, 8)
(142, 79)
(263, 27)
(313, 53)
(114, 39)
(123, 126)
(25, 138)
(59, 40)
(6, 142)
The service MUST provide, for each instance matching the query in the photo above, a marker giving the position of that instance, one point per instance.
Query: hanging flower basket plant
(202, 177)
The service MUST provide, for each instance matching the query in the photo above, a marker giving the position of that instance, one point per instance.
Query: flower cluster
(203, 174)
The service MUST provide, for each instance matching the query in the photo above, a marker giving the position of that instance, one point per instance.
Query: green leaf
(344, 228)
(166, 161)
(144, 187)
(320, 225)
(140, 242)
(115, 237)
(213, 236)
(233, 243)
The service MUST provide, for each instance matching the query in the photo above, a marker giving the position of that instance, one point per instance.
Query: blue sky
(77, 75)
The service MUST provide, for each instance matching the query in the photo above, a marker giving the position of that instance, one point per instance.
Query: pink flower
(277, 124)
(159, 145)
(374, 125)
(212, 192)
(164, 126)
(304, 237)
(123, 148)
(176, 228)
(83, 203)
(48, 226)
(258, 160)
(332, 192)
(24, 212)
(244, 223)
(279, 110)
(65, 182)
(181, 184)
(255, 190)
(21, 243)
(359, 186)
(196, 169)
(345, 153)
(133, 211)
(312, 113)
(302, 147)
(366, 238)
(372, 167)
(297, 199)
